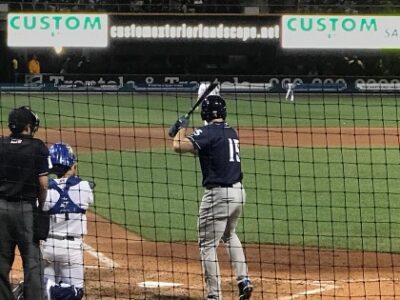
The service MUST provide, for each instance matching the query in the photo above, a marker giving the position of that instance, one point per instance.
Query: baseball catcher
(67, 201)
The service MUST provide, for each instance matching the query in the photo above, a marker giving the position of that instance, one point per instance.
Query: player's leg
(72, 270)
(231, 240)
(292, 95)
(288, 94)
(30, 254)
(51, 249)
(211, 227)
(7, 250)
(68, 268)
(236, 197)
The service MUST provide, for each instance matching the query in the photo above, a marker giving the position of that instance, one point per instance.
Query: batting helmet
(21, 117)
(62, 155)
(213, 107)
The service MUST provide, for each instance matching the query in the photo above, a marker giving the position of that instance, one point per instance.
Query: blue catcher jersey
(217, 145)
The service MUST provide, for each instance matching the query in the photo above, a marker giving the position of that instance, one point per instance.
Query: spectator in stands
(355, 65)
(83, 64)
(136, 5)
(34, 65)
(65, 68)
(14, 70)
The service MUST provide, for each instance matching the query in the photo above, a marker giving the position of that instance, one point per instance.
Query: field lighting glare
(58, 49)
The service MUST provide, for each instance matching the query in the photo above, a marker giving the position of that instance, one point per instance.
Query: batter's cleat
(245, 289)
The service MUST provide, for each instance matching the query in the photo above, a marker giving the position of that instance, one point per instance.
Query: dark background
(204, 57)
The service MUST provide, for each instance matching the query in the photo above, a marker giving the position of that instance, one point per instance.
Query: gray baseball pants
(220, 210)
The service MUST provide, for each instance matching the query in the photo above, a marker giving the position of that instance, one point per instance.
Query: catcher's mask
(213, 107)
(21, 117)
(62, 155)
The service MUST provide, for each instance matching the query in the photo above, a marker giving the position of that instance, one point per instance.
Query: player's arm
(43, 186)
(181, 143)
(42, 165)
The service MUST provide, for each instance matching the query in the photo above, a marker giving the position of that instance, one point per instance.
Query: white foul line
(110, 263)
(323, 287)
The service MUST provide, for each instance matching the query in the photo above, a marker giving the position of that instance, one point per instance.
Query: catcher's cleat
(245, 289)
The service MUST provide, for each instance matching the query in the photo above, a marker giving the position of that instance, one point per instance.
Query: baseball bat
(203, 96)
(175, 127)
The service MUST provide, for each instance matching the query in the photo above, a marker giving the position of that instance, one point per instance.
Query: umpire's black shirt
(22, 160)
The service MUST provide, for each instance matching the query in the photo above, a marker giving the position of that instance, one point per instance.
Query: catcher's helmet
(213, 107)
(62, 155)
(20, 117)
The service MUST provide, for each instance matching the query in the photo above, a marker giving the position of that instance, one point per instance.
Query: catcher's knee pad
(65, 292)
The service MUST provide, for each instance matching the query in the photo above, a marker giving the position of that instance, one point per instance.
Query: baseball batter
(67, 201)
(217, 145)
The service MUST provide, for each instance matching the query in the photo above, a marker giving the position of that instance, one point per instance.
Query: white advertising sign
(57, 30)
(340, 32)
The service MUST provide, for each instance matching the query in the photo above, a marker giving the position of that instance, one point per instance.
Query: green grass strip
(248, 110)
(331, 198)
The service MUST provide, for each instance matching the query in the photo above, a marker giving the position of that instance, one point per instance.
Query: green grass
(128, 110)
(333, 198)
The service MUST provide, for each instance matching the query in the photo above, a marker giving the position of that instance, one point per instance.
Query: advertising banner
(340, 32)
(190, 84)
(184, 28)
(57, 30)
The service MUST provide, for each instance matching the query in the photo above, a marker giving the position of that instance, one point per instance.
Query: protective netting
(322, 217)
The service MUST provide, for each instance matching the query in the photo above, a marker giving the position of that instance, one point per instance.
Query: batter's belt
(217, 185)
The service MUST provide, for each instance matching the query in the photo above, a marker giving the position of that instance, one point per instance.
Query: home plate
(158, 284)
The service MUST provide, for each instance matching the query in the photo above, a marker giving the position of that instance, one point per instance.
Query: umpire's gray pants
(16, 224)
(220, 210)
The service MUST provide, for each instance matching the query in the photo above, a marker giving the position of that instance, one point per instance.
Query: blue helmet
(62, 154)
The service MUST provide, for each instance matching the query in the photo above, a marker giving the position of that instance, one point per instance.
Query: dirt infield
(146, 138)
(117, 261)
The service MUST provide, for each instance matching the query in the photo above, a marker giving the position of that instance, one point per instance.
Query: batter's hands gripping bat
(183, 121)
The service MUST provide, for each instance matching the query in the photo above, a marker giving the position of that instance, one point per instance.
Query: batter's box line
(321, 287)
(368, 280)
(108, 262)
(324, 286)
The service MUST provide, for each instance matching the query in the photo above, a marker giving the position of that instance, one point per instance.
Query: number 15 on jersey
(234, 150)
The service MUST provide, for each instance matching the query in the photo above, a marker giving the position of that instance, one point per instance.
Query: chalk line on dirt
(323, 286)
(110, 263)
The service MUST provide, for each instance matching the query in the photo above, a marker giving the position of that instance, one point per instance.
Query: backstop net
(322, 218)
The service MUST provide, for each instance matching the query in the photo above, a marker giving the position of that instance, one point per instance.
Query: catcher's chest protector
(65, 205)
